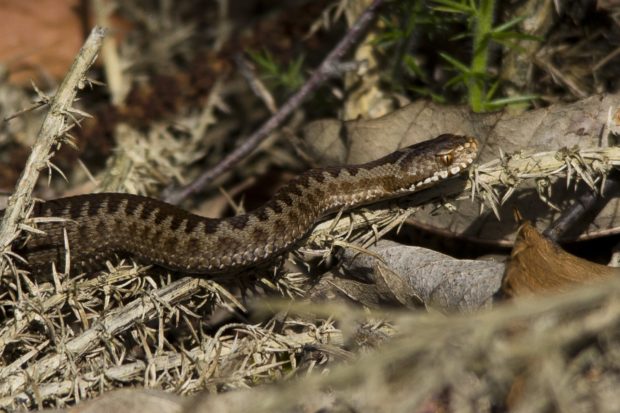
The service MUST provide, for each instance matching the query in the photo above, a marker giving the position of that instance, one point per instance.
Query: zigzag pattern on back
(100, 226)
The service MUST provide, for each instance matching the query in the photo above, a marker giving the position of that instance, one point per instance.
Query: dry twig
(59, 120)
(320, 75)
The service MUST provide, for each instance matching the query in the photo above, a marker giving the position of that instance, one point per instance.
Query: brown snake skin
(98, 226)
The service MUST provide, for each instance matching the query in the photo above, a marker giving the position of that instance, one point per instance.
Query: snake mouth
(443, 174)
(457, 169)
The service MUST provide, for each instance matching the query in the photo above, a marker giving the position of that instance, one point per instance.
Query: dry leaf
(39, 38)
(538, 265)
(440, 281)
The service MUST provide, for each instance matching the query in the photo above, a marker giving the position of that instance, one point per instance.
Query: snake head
(438, 159)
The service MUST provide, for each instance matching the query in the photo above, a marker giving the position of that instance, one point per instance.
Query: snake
(88, 229)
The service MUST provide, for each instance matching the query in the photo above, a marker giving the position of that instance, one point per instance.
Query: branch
(320, 75)
(58, 120)
(583, 205)
(142, 309)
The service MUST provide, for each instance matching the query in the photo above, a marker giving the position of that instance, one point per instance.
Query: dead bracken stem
(59, 119)
(491, 183)
(114, 323)
(588, 165)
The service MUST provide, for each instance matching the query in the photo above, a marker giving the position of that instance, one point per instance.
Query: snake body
(98, 226)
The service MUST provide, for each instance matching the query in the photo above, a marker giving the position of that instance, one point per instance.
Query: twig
(319, 76)
(116, 79)
(582, 206)
(557, 75)
(56, 123)
(140, 310)
(36, 105)
(33, 307)
(168, 361)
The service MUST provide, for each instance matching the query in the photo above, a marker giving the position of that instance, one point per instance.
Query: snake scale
(99, 226)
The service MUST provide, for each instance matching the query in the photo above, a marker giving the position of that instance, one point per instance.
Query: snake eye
(446, 158)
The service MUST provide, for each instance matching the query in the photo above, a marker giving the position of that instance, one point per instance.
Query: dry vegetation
(186, 84)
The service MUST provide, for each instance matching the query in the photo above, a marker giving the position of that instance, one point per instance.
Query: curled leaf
(539, 265)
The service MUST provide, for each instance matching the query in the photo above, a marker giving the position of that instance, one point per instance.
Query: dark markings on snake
(114, 205)
(159, 217)
(239, 221)
(130, 208)
(352, 170)
(75, 209)
(94, 206)
(248, 239)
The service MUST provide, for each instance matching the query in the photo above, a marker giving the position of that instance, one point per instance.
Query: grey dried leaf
(439, 280)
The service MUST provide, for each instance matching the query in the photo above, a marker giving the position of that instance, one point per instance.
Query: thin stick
(139, 310)
(582, 205)
(320, 75)
(57, 122)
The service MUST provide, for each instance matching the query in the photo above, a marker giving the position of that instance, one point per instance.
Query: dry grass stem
(491, 183)
(565, 341)
(58, 121)
(141, 309)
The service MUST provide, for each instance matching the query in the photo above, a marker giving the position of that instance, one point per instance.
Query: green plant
(399, 30)
(479, 15)
(413, 21)
(286, 77)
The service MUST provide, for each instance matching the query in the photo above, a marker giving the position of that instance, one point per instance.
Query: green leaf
(424, 91)
(497, 36)
(509, 24)
(288, 77)
(458, 79)
(265, 62)
(461, 67)
(413, 67)
(492, 91)
(450, 6)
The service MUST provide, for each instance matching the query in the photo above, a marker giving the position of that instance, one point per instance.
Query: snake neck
(280, 223)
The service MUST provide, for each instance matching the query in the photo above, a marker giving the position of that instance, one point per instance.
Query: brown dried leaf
(538, 265)
(39, 39)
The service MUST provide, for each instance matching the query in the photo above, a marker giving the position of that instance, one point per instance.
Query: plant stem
(476, 84)
(56, 123)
